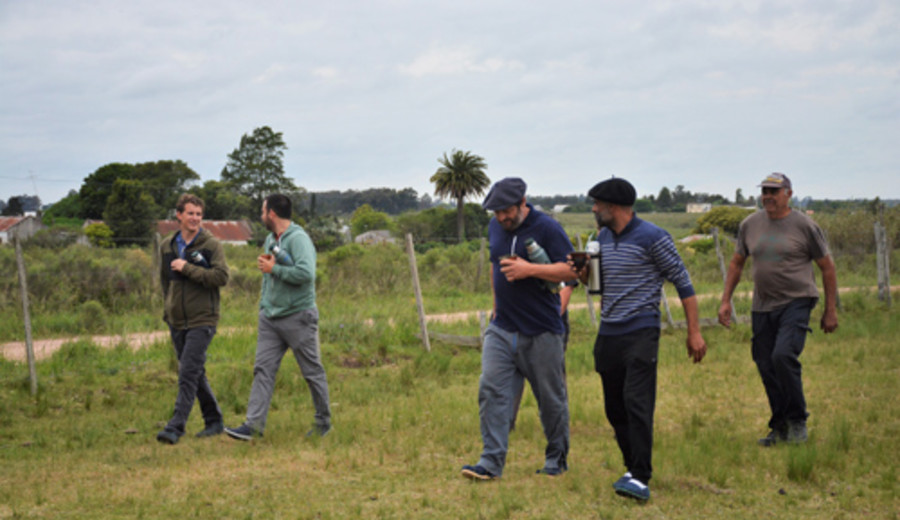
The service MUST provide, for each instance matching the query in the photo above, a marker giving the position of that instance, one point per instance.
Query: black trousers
(190, 347)
(627, 367)
(778, 340)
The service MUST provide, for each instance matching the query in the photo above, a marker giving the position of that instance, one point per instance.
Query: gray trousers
(507, 358)
(298, 332)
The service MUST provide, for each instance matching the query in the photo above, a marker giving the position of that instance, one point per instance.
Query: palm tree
(461, 175)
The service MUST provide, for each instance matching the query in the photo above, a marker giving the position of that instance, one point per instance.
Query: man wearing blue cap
(636, 257)
(784, 244)
(525, 336)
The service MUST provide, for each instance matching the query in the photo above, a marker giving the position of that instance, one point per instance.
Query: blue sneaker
(477, 473)
(632, 488)
(243, 432)
(623, 479)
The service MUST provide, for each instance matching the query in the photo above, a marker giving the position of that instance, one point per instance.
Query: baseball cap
(776, 180)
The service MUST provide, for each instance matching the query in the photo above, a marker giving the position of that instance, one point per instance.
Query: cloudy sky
(708, 94)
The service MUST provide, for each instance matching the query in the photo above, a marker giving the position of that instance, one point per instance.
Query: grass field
(406, 421)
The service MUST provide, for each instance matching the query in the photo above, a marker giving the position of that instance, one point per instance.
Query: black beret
(504, 193)
(615, 191)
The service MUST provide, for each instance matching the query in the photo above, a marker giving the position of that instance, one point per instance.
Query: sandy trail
(44, 348)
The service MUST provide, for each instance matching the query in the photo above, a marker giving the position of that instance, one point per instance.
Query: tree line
(130, 198)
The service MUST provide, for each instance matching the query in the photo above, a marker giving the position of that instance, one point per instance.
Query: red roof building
(235, 232)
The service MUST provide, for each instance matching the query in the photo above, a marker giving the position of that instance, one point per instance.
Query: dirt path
(15, 351)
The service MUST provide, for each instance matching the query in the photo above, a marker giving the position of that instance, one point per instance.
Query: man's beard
(599, 219)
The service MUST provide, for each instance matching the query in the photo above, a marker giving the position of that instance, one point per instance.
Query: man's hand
(178, 264)
(265, 263)
(725, 313)
(582, 270)
(514, 268)
(696, 347)
(829, 321)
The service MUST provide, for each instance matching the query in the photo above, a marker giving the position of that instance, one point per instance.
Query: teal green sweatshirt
(290, 289)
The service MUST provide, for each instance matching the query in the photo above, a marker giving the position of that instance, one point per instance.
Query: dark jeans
(778, 340)
(190, 347)
(627, 368)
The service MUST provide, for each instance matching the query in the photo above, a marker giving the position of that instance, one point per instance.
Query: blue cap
(504, 193)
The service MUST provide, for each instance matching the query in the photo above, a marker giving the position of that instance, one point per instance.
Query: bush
(99, 235)
(93, 316)
(727, 218)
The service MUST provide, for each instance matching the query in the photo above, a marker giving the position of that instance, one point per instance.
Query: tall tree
(97, 187)
(664, 199)
(14, 207)
(130, 212)
(461, 175)
(255, 168)
(223, 203)
(165, 181)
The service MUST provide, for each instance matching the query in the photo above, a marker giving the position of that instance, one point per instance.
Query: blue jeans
(507, 358)
(778, 340)
(190, 348)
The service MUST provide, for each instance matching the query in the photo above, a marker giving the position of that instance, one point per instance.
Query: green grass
(405, 421)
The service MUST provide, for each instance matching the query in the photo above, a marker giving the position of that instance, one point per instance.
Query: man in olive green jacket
(192, 268)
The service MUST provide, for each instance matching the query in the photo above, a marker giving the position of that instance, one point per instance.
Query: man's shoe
(211, 430)
(632, 488)
(243, 432)
(477, 473)
(796, 433)
(319, 430)
(775, 436)
(623, 479)
(552, 472)
(168, 436)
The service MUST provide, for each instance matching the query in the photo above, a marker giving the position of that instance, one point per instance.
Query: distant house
(234, 232)
(21, 227)
(698, 207)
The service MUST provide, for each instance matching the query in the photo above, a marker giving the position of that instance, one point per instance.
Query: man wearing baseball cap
(784, 244)
(525, 337)
(636, 257)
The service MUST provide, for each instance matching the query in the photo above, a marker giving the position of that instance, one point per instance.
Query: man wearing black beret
(636, 257)
(525, 336)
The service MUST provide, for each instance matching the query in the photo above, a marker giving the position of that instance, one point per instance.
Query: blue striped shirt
(634, 265)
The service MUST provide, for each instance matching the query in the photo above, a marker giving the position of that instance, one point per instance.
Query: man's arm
(518, 268)
(829, 321)
(735, 268)
(696, 346)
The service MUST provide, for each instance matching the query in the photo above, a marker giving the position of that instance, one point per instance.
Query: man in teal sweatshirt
(288, 319)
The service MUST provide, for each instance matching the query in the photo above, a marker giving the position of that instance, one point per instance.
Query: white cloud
(450, 61)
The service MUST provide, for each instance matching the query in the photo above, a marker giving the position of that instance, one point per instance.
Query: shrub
(93, 316)
(727, 218)
(100, 235)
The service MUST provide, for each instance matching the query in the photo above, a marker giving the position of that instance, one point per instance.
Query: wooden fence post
(29, 346)
(665, 301)
(721, 257)
(882, 260)
(420, 306)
